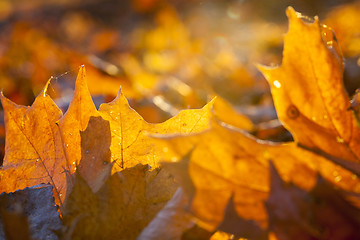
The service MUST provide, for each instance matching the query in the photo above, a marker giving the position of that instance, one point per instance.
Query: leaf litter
(104, 165)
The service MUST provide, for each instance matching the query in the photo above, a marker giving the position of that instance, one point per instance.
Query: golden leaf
(34, 150)
(311, 101)
(131, 144)
(43, 146)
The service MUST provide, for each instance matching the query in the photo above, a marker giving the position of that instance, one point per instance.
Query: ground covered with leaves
(267, 145)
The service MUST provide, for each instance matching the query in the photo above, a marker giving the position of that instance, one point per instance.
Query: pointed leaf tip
(81, 82)
(120, 95)
(290, 11)
(211, 103)
(267, 71)
(6, 103)
(119, 92)
(292, 14)
(2, 97)
(82, 72)
(44, 90)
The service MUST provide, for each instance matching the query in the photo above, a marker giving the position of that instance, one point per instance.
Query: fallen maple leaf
(34, 148)
(309, 94)
(131, 143)
(121, 208)
(43, 146)
(311, 102)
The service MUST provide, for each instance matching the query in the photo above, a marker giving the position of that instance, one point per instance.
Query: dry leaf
(121, 208)
(95, 166)
(309, 94)
(34, 149)
(131, 144)
(227, 114)
(45, 147)
(311, 102)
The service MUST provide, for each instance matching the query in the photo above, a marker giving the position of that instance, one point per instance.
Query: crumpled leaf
(122, 207)
(226, 161)
(29, 214)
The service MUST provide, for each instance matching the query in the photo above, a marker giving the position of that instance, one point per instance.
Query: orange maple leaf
(227, 163)
(43, 146)
(34, 148)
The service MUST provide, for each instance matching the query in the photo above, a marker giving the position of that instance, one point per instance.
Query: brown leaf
(80, 209)
(16, 226)
(240, 227)
(287, 208)
(322, 213)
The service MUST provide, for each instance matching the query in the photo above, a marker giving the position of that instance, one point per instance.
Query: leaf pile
(113, 173)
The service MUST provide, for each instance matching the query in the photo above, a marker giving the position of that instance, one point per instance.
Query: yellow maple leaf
(42, 145)
(34, 148)
(131, 143)
(310, 100)
(309, 94)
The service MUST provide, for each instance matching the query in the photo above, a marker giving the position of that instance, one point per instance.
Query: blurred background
(167, 55)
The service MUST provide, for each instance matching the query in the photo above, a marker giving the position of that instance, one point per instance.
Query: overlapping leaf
(131, 144)
(322, 213)
(121, 208)
(310, 101)
(45, 147)
(309, 94)
(34, 149)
